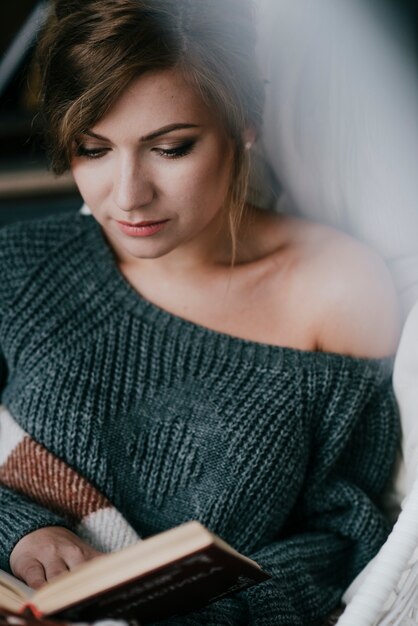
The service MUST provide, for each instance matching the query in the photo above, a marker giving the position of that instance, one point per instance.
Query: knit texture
(281, 452)
(29, 468)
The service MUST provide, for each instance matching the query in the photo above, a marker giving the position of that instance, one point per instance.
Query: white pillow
(341, 123)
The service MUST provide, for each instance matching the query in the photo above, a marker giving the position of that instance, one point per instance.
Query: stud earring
(248, 145)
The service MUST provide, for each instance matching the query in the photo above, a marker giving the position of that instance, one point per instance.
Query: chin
(153, 251)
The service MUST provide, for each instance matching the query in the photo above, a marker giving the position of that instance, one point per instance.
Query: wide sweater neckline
(136, 304)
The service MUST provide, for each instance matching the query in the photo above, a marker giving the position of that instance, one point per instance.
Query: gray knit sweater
(281, 452)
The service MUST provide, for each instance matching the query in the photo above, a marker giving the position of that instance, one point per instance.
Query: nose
(132, 186)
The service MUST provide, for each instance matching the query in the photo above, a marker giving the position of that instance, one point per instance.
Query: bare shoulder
(352, 298)
(356, 302)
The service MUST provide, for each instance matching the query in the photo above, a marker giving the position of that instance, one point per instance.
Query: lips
(141, 224)
(145, 228)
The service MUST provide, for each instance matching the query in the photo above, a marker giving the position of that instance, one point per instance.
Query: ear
(249, 137)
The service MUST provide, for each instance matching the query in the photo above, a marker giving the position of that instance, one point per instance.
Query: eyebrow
(150, 136)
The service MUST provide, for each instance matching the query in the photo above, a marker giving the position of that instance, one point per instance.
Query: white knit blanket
(387, 591)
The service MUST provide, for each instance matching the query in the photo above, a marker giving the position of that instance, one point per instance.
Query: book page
(14, 585)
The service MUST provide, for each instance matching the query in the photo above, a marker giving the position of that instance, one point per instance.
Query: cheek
(212, 186)
(218, 171)
(208, 178)
(91, 181)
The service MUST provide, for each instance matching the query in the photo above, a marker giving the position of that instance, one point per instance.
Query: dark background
(27, 188)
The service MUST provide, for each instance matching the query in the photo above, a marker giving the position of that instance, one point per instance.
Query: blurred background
(27, 188)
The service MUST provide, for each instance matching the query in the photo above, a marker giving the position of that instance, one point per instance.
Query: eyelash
(179, 151)
(170, 153)
(94, 153)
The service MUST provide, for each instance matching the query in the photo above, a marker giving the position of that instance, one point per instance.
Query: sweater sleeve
(3, 372)
(336, 526)
(19, 515)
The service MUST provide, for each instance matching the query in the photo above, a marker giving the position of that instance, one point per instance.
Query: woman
(178, 353)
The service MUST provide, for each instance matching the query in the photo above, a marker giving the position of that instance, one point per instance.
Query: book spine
(31, 610)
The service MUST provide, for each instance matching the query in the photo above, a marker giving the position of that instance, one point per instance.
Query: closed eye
(90, 153)
(177, 151)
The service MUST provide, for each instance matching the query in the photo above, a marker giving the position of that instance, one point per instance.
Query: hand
(47, 552)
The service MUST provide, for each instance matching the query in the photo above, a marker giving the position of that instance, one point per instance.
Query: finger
(33, 573)
(54, 567)
(73, 555)
(92, 554)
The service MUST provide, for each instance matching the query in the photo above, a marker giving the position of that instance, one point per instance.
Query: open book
(174, 572)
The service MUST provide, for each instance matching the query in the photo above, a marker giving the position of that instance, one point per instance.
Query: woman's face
(155, 171)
